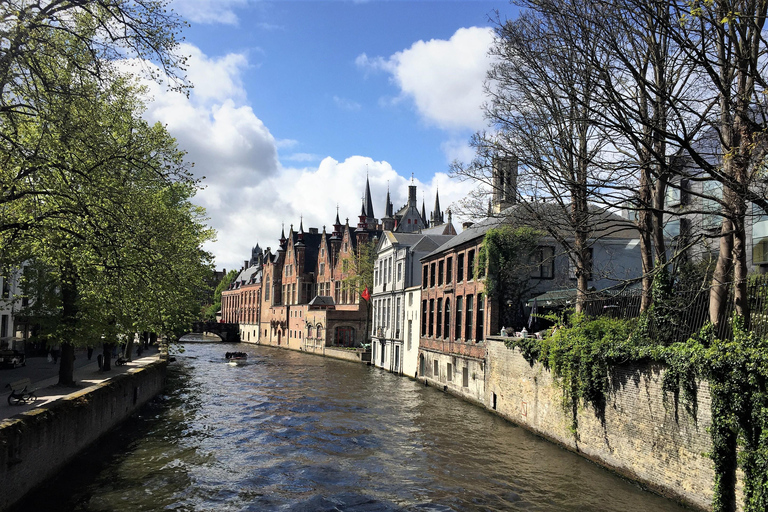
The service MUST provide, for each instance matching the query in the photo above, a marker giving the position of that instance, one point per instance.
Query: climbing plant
(580, 352)
(504, 259)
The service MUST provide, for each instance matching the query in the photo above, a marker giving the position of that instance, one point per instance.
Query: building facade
(396, 269)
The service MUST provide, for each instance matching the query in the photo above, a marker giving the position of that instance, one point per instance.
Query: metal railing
(686, 311)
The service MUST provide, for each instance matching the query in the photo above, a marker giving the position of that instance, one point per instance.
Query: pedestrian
(90, 352)
(55, 353)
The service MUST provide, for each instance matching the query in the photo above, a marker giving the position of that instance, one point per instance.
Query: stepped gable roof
(606, 224)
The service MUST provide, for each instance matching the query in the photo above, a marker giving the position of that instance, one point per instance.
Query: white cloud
(209, 11)
(346, 104)
(443, 78)
(303, 157)
(247, 193)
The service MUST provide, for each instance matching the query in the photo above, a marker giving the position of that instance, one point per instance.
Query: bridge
(229, 333)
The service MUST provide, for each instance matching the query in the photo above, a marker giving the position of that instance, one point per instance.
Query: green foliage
(504, 259)
(210, 311)
(581, 353)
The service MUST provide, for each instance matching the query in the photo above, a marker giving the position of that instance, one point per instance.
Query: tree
(109, 210)
(359, 276)
(541, 91)
(210, 311)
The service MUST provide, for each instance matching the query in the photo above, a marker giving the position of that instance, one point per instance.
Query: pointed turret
(336, 234)
(388, 221)
(301, 232)
(437, 215)
(282, 237)
(367, 201)
(424, 214)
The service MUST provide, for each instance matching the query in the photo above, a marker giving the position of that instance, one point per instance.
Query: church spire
(437, 215)
(424, 213)
(367, 201)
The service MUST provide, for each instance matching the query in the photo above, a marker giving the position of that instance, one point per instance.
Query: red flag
(366, 295)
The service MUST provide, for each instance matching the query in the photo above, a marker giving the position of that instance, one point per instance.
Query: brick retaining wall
(35, 445)
(642, 432)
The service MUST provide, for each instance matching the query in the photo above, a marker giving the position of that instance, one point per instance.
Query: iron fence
(686, 311)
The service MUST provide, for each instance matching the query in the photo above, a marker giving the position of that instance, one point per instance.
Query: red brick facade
(456, 317)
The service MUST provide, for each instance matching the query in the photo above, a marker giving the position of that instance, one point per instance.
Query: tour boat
(236, 358)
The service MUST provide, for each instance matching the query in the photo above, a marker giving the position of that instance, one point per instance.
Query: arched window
(309, 331)
(319, 332)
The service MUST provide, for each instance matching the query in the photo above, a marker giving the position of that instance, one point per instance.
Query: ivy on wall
(581, 351)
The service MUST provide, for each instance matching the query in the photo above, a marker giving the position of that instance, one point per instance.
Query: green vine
(581, 353)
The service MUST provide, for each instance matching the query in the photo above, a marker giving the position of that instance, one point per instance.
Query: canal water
(296, 432)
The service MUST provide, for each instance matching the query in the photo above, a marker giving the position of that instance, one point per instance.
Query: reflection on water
(291, 431)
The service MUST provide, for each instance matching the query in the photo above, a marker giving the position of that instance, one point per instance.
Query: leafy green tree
(108, 208)
(210, 312)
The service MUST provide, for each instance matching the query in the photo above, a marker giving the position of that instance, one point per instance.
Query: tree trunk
(645, 227)
(659, 244)
(129, 347)
(67, 365)
(69, 322)
(718, 293)
(107, 353)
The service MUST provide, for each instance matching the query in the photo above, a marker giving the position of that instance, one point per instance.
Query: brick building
(304, 295)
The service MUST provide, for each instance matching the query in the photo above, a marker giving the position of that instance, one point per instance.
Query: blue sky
(294, 102)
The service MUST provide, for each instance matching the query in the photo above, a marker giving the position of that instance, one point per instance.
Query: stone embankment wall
(35, 445)
(642, 432)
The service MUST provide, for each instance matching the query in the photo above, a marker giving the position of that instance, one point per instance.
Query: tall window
(397, 319)
(424, 318)
(447, 319)
(471, 265)
(468, 335)
(459, 303)
(431, 316)
(480, 318)
(440, 270)
(388, 310)
(266, 291)
(410, 333)
(424, 276)
(432, 274)
(439, 322)
(543, 262)
(460, 268)
(399, 271)
(449, 270)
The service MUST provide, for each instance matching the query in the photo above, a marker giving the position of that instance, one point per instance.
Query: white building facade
(397, 268)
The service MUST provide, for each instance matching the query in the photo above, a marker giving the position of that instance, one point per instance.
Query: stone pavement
(45, 378)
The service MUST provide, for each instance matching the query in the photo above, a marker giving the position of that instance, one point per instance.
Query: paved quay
(45, 377)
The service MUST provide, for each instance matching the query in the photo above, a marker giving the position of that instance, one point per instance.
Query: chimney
(504, 183)
(245, 264)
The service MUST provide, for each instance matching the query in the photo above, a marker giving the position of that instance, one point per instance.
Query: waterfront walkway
(45, 377)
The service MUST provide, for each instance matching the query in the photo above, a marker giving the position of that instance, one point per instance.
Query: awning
(554, 298)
